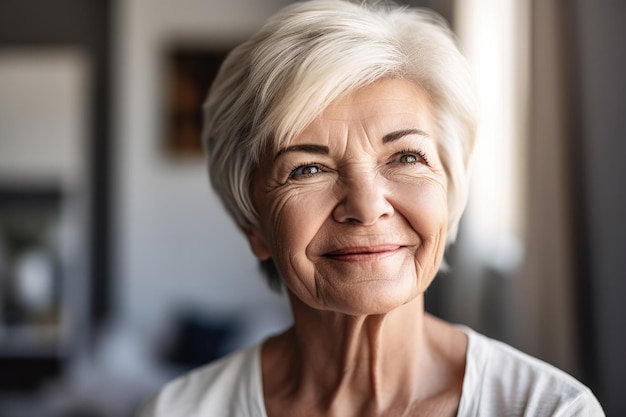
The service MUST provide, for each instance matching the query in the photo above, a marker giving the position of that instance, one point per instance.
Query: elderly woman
(339, 139)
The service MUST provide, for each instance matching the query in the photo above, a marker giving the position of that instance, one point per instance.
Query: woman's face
(353, 212)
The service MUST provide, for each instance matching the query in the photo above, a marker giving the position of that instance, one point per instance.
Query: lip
(363, 253)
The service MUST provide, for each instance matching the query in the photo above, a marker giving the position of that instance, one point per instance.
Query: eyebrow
(390, 137)
(318, 149)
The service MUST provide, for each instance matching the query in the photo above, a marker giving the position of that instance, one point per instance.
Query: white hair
(310, 53)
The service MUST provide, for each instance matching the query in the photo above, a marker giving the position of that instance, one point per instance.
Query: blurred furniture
(44, 212)
(54, 185)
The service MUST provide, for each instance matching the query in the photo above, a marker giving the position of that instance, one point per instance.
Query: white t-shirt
(499, 381)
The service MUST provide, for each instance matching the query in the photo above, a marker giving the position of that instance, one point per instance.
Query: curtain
(514, 268)
(546, 309)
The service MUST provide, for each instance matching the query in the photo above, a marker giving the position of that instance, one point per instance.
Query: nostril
(363, 205)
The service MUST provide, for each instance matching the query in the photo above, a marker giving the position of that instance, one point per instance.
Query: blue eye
(408, 159)
(305, 171)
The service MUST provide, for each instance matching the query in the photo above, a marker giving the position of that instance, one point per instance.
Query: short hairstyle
(309, 54)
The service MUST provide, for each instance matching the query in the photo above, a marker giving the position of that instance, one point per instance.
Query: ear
(257, 243)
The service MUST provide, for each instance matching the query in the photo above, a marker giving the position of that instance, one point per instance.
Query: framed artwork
(190, 73)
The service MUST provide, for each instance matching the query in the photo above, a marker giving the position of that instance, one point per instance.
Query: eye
(410, 156)
(306, 170)
(408, 159)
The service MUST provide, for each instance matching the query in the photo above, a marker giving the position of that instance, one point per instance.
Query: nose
(363, 201)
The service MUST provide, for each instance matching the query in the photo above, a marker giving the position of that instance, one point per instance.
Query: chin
(371, 297)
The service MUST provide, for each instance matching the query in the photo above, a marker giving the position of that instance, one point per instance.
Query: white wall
(175, 246)
(43, 116)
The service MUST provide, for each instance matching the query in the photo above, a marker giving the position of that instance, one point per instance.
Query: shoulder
(501, 380)
(227, 387)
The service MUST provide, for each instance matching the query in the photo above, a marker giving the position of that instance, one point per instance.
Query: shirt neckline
(464, 402)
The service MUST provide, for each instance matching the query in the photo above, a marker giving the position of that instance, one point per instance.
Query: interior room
(120, 268)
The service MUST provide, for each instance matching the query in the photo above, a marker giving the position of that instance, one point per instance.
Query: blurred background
(120, 270)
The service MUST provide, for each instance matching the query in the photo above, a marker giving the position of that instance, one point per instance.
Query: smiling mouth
(363, 253)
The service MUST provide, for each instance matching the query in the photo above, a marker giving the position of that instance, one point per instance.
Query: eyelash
(292, 173)
(419, 153)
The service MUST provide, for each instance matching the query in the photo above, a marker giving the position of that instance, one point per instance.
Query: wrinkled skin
(355, 223)
(353, 212)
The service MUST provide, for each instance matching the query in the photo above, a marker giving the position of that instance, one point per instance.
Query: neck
(364, 364)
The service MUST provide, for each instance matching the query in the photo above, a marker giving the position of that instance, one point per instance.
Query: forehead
(386, 104)
(387, 97)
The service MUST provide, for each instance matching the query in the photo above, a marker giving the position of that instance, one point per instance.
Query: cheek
(293, 221)
(424, 205)
(294, 217)
(425, 208)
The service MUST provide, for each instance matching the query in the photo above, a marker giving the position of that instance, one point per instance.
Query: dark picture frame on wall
(190, 72)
